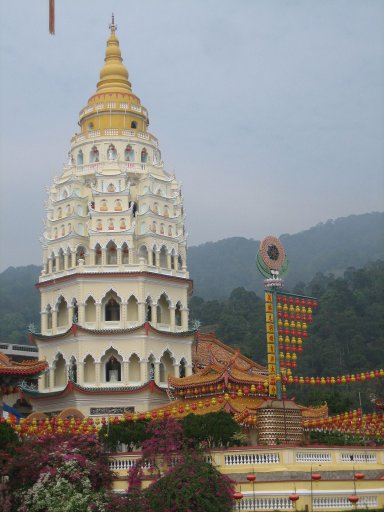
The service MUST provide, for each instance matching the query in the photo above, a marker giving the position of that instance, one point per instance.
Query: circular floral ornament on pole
(271, 261)
(272, 252)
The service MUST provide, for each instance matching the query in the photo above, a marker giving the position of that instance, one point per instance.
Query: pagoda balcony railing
(107, 269)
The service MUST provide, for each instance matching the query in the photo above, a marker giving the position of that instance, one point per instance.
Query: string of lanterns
(352, 422)
(339, 379)
(294, 313)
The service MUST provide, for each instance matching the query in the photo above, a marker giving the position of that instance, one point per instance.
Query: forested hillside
(19, 303)
(218, 267)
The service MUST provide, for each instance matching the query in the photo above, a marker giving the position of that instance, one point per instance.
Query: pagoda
(114, 285)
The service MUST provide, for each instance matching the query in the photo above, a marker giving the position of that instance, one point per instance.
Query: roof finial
(112, 25)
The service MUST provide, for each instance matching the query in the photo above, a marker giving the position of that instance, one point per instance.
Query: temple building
(114, 285)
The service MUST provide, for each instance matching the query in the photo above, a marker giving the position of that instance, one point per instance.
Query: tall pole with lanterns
(272, 264)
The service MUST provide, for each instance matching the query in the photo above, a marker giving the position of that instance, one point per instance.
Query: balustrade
(251, 458)
(359, 457)
(313, 457)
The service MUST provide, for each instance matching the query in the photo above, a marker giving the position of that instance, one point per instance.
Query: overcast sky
(271, 112)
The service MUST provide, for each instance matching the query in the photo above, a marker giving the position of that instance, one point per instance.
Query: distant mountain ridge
(331, 247)
(217, 268)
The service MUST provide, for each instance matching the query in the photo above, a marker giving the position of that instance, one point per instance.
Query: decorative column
(92, 257)
(70, 315)
(141, 312)
(103, 256)
(51, 378)
(175, 262)
(50, 265)
(144, 370)
(157, 254)
(157, 372)
(98, 314)
(125, 378)
(73, 258)
(130, 256)
(80, 372)
(118, 253)
(172, 317)
(123, 314)
(97, 373)
(169, 260)
(154, 314)
(184, 318)
(66, 260)
(44, 321)
(54, 321)
(81, 313)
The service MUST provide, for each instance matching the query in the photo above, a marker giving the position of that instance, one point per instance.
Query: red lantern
(293, 497)
(237, 495)
(316, 476)
(353, 498)
(251, 477)
(359, 476)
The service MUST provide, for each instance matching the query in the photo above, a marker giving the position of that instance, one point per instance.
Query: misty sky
(271, 112)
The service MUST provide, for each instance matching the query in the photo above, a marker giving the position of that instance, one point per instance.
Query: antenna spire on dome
(112, 25)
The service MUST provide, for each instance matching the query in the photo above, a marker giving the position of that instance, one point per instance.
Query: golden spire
(113, 75)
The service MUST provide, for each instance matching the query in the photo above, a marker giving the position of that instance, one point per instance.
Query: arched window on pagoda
(111, 153)
(60, 260)
(112, 307)
(124, 254)
(98, 255)
(89, 370)
(166, 366)
(148, 310)
(173, 254)
(163, 315)
(154, 257)
(134, 368)
(80, 254)
(113, 370)
(72, 369)
(80, 158)
(134, 125)
(90, 310)
(151, 367)
(111, 253)
(163, 257)
(94, 155)
(144, 156)
(129, 154)
(132, 309)
(111, 362)
(49, 316)
(75, 314)
(60, 373)
(143, 253)
(182, 368)
(178, 314)
(62, 312)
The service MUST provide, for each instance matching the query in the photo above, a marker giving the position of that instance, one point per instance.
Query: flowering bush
(192, 486)
(35, 458)
(66, 488)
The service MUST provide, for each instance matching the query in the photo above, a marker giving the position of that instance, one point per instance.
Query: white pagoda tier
(114, 285)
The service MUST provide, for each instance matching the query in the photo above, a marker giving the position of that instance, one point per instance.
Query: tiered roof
(29, 368)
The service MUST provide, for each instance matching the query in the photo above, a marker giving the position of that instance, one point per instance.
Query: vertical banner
(272, 344)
